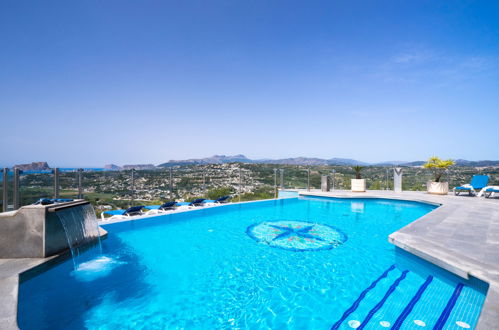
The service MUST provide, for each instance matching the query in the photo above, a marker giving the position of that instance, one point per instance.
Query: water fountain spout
(41, 231)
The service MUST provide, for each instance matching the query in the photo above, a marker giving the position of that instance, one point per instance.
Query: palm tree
(357, 170)
(438, 166)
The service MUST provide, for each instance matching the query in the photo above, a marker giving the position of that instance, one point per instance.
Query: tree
(438, 166)
(357, 170)
(219, 192)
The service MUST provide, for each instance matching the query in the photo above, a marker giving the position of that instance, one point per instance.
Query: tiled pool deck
(461, 236)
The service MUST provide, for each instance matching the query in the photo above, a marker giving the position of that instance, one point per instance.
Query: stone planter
(437, 188)
(358, 185)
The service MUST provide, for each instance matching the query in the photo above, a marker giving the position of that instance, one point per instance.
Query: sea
(65, 169)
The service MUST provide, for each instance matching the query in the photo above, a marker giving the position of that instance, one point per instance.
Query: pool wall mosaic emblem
(296, 235)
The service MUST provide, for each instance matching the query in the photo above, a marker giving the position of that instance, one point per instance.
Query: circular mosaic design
(296, 235)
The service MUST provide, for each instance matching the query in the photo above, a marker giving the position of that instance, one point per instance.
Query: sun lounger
(477, 182)
(48, 201)
(165, 207)
(491, 191)
(121, 214)
(197, 202)
(170, 206)
(221, 200)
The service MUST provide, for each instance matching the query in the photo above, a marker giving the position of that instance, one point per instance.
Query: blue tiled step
(394, 301)
(368, 297)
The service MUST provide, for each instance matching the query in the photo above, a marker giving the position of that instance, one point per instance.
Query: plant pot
(358, 185)
(437, 188)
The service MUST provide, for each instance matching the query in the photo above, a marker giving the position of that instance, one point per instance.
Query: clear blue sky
(85, 83)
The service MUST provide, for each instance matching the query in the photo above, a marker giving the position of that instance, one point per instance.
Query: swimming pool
(300, 263)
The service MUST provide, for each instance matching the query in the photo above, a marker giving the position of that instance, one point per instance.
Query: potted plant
(358, 184)
(438, 167)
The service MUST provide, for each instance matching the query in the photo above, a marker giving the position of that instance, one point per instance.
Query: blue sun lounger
(155, 209)
(477, 182)
(169, 206)
(163, 207)
(120, 214)
(48, 201)
(197, 202)
(221, 200)
(490, 192)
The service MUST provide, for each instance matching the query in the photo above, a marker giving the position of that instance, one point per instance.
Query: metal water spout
(36, 231)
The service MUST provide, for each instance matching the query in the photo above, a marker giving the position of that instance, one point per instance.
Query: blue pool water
(298, 263)
(288, 193)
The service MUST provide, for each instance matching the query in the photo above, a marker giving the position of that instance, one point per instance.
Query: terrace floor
(9, 285)
(462, 236)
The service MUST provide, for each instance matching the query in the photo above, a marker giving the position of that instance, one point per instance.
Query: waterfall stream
(82, 232)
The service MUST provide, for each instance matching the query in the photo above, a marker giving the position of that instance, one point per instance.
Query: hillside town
(120, 186)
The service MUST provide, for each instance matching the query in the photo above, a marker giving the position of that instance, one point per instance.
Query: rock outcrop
(112, 167)
(35, 166)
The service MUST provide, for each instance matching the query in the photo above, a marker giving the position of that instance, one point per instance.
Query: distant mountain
(345, 162)
(294, 161)
(216, 159)
(139, 167)
(416, 163)
(477, 163)
(461, 162)
(391, 163)
(220, 159)
(35, 166)
(311, 161)
(112, 167)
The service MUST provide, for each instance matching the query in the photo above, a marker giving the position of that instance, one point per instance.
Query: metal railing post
(80, 183)
(171, 184)
(275, 182)
(17, 199)
(5, 189)
(308, 179)
(133, 185)
(282, 177)
(204, 183)
(386, 185)
(56, 182)
(334, 176)
(240, 184)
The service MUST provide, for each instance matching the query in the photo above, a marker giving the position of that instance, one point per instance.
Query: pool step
(410, 306)
(393, 301)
